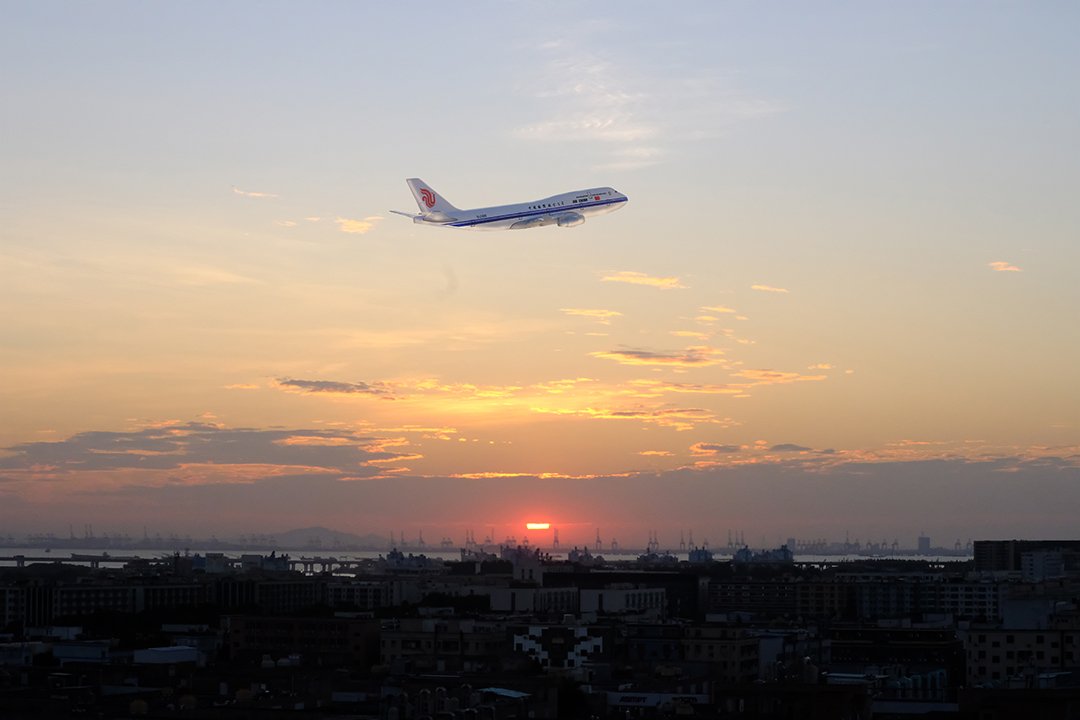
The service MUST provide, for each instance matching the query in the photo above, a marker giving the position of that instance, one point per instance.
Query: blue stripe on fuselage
(535, 213)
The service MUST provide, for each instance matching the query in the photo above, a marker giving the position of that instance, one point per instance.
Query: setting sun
(537, 526)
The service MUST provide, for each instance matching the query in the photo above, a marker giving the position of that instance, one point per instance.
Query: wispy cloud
(559, 387)
(710, 449)
(332, 387)
(253, 193)
(619, 102)
(201, 275)
(610, 127)
(191, 453)
(601, 316)
(1002, 266)
(820, 366)
(461, 333)
(768, 288)
(699, 356)
(285, 223)
(506, 475)
(314, 440)
(281, 477)
(358, 227)
(776, 377)
(597, 104)
(639, 278)
(681, 419)
(719, 309)
(656, 388)
(632, 158)
(453, 396)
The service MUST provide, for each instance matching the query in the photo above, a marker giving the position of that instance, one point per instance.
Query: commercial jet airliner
(566, 210)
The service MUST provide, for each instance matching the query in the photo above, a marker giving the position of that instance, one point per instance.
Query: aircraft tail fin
(429, 201)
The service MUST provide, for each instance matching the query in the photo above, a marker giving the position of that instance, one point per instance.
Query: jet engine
(570, 219)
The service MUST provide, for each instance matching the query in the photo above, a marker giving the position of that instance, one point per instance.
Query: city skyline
(485, 539)
(840, 299)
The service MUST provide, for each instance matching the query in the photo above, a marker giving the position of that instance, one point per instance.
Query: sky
(841, 300)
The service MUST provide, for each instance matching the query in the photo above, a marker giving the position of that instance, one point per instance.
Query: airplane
(565, 210)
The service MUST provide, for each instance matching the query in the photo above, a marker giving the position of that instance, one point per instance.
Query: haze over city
(841, 298)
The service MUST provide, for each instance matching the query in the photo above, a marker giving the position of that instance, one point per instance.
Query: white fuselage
(566, 210)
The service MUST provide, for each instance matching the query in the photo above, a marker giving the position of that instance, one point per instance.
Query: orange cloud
(775, 377)
(717, 309)
(638, 278)
(768, 288)
(558, 387)
(678, 418)
(496, 475)
(358, 227)
(658, 387)
(315, 441)
(468, 389)
(382, 445)
(1002, 266)
(396, 459)
(427, 433)
(712, 449)
(601, 316)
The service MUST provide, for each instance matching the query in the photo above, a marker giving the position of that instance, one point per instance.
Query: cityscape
(520, 633)
(539, 361)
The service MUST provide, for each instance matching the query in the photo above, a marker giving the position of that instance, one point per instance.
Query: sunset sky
(843, 297)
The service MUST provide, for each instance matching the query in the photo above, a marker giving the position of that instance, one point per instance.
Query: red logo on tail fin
(428, 197)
